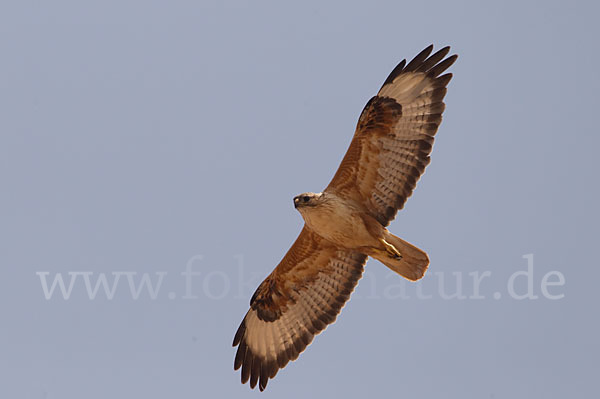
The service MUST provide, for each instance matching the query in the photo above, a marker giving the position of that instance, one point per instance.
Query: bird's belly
(342, 226)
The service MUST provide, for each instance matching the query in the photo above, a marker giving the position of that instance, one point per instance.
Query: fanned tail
(413, 263)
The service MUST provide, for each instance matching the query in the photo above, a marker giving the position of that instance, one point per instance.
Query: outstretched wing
(391, 146)
(296, 301)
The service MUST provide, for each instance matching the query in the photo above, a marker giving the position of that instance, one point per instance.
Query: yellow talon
(391, 249)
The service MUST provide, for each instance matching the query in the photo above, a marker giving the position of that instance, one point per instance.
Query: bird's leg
(390, 249)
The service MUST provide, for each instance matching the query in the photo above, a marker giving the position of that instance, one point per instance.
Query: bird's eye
(305, 198)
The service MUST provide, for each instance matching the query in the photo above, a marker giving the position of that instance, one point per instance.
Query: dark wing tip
(246, 366)
(266, 372)
(442, 66)
(442, 81)
(433, 59)
(433, 64)
(255, 371)
(419, 58)
(239, 333)
(395, 72)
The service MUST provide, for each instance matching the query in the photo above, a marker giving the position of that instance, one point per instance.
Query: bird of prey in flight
(347, 222)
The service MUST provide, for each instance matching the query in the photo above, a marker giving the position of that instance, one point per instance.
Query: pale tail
(413, 264)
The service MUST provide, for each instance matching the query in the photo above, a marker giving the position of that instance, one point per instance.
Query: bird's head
(306, 200)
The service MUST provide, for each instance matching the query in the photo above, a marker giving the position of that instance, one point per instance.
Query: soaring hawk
(347, 222)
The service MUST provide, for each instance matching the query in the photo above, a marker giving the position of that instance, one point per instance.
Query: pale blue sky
(137, 135)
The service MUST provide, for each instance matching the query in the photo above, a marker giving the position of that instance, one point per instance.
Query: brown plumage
(346, 223)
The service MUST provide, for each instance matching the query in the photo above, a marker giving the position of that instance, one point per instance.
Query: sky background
(144, 136)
